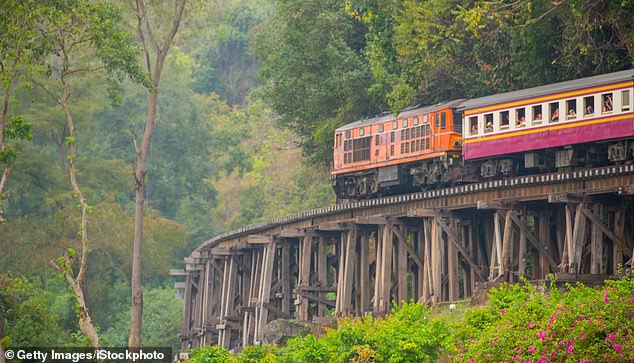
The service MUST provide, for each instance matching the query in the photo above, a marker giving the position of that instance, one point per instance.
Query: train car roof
(416, 110)
(548, 89)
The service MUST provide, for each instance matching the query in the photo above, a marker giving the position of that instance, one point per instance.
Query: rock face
(279, 331)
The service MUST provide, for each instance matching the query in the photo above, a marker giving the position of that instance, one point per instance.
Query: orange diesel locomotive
(392, 154)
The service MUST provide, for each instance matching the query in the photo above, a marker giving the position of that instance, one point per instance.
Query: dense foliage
(519, 324)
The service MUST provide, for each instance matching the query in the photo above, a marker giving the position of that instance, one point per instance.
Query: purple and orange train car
(574, 124)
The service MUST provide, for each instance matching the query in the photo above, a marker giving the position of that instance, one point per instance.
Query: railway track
(590, 181)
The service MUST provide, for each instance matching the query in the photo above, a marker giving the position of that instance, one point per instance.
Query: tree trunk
(146, 34)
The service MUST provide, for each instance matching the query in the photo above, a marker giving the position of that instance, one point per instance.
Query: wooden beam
(364, 274)
(493, 204)
(506, 245)
(599, 224)
(257, 239)
(454, 240)
(371, 220)
(333, 226)
(535, 242)
(291, 233)
(420, 212)
(564, 198)
(304, 275)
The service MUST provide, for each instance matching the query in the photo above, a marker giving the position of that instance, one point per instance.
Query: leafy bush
(582, 325)
(209, 354)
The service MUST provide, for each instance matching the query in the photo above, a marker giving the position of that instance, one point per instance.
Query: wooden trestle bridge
(429, 247)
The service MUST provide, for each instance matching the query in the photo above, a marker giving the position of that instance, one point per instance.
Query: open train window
(553, 111)
(537, 114)
(625, 100)
(571, 109)
(520, 117)
(608, 104)
(504, 120)
(588, 106)
(488, 122)
(473, 125)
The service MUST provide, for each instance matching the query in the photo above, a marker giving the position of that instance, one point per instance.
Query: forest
(240, 99)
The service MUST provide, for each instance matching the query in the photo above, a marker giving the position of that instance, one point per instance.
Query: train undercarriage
(449, 171)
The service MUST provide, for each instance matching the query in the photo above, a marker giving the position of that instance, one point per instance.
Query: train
(580, 123)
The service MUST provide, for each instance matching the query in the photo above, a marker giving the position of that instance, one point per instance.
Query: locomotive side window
(415, 121)
(417, 145)
(607, 102)
(348, 134)
(427, 143)
(412, 145)
(391, 149)
(402, 135)
(405, 123)
(488, 122)
(571, 109)
(625, 100)
(381, 128)
(361, 131)
(520, 117)
(473, 125)
(392, 136)
(406, 147)
(403, 148)
(537, 114)
(377, 140)
(553, 111)
(394, 125)
(407, 131)
(504, 120)
(443, 120)
(588, 106)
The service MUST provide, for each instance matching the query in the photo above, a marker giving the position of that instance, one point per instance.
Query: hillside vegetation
(250, 95)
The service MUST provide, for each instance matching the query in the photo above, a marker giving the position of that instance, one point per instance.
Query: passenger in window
(538, 117)
(555, 116)
(607, 104)
(489, 127)
(571, 114)
(589, 110)
(474, 129)
(521, 121)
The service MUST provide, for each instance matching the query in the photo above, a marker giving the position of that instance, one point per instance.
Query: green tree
(314, 71)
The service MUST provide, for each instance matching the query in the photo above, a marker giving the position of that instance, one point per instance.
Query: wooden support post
(596, 244)
(364, 274)
(473, 251)
(186, 328)
(506, 247)
(420, 272)
(378, 271)
(401, 265)
(228, 288)
(578, 239)
(496, 249)
(522, 247)
(304, 277)
(436, 261)
(286, 278)
(268, 259)
(349, 259)
(619, 234)
(386, 269)
(452, 267)
(322, 274)
(427, 263)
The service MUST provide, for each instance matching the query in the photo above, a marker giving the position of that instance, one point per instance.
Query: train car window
(391, 149)
(361, 131)
(504, 120)
(394, 125)
(520, 117)
(625, 100)
(347, 134)
(392, 136)
(405, 123)
(537, 114)
(473, 125)
(608, 104)
(443, 120)
(571, 109)
(415, 120)
(488, 122)
(427, 143)
(457, 122)
(437, 118)
(381, 128)
(377, 140)
(588, 106)
(553, 111)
